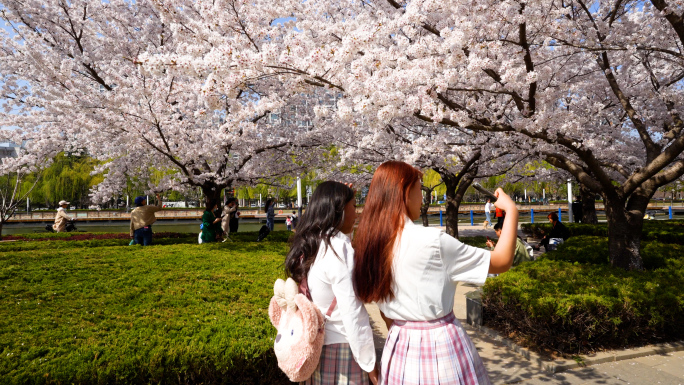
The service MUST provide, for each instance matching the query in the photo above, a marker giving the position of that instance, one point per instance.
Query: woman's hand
(502, 255)
(373, 376)
(504, 202)
(388, 322)
(490, 243)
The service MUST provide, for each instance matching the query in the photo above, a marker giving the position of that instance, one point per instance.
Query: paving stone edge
(558, 366)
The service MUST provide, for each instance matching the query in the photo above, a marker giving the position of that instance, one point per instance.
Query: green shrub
(594, 250)
(665, 231)
(474, 241)
(575, 308)
(576, 229)
(582, 249)
(662, 231)
(169, 314)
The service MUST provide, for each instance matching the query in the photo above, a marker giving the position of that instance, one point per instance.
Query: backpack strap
(304, 289)
(332, 307)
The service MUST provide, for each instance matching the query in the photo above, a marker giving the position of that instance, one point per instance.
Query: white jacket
(61, 219)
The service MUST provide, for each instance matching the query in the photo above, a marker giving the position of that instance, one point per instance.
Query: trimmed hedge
(171, 314)
(594, 250)
(576, 308)
(662, 231)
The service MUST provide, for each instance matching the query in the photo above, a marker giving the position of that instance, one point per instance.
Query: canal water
(192, 226)
(180, 226)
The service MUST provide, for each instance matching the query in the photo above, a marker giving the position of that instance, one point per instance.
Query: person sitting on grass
(142, 218)
(521, 255)
(558, 231)
(61, 218)
(321, 259)
(211, 225)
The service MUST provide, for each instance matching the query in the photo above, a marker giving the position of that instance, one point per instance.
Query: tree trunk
(212, 193)
(588, 205)
(426, 205)
(624, 232)
(2, 223)
(456, 187)
(451, 214)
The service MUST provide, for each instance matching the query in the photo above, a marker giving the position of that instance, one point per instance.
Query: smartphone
(488, 239)
(482, 190)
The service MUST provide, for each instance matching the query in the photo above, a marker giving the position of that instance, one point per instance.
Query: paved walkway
(505, 366)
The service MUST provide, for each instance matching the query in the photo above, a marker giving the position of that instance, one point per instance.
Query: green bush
(575, 308)
(172, 314)
(576, 229)
(480, 242)
(662, 231)
(594, 250)
(582, 249)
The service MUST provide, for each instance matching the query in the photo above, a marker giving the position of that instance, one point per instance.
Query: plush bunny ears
(285, 292)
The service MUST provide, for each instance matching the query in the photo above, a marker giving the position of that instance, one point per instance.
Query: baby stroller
(263, 233)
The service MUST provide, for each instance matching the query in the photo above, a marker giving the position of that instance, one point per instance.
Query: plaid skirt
(337, 367)
(431, 353)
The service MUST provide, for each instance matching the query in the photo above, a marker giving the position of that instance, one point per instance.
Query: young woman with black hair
(322, 257)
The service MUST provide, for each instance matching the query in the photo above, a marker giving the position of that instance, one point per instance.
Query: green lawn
(177, 312)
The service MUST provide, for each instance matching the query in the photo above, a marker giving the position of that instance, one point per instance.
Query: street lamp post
(299, 197)
(570, 220)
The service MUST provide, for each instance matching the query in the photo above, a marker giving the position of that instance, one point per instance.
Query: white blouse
(426, 267)
(330, 277)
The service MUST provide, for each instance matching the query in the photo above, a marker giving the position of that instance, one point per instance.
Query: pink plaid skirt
(337, 367)
(431, 353)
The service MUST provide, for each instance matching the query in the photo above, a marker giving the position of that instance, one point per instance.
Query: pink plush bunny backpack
(301, 329)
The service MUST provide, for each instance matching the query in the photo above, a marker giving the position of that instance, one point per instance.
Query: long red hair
(381, 223)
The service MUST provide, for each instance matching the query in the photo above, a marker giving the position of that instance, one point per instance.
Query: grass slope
(171, 313)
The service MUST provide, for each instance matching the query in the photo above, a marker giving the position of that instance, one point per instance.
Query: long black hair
(320, 222)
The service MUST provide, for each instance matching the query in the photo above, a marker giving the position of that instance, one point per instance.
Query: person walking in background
(142, 218)
(321, 260)
(295, 219)
(211, 225)
(61, 218)
(270, 213)
(577, 209)
(411, 273)
(229, 211)
(500, 216)
(488, 212)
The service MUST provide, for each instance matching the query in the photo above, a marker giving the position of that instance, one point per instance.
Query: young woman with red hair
(411, 272)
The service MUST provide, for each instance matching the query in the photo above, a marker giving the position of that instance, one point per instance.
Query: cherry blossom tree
(586, 86)
(76, 69)
(458, 156)
(589, 85)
